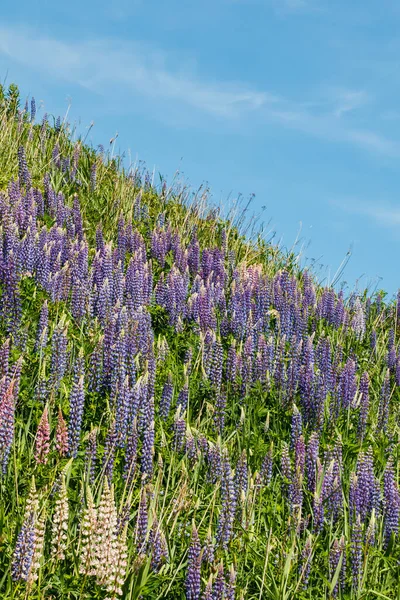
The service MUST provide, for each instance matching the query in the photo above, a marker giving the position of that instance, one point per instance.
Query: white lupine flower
(106, 537)
(87, 564)
(60, 523)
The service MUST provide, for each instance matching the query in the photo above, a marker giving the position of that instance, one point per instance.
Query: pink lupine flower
(43, 438)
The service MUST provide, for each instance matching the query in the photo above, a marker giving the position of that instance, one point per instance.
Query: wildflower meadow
(185, 412)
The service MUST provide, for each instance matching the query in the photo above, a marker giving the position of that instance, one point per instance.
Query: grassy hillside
(184, 413)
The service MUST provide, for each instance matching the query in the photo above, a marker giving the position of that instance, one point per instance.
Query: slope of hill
(184, 413)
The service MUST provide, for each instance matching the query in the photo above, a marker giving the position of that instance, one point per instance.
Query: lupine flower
(43, 438)
(192, 581)
(356, 552)
(58, 355)
(24, 551)
(228, 504)
(148, 451)
(305, 562)
(208, 549)
(166, 398)
(142, 523)
(88, 538)
(106, 539)
(120, 563)
(231, 584)
(59, 533)
(23, 171)
(131, 453)
(336, 556)
(76, 404)
(219, 587)
(391, 502)
(40, 530)
(7, 416)
(157, 547)
(61, 435)
(179, 433)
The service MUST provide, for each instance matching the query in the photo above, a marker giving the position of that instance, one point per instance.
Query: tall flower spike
(60, 523)
(40, 530)
(43, 438)
(7, 418)
(120, 563)
(87, 548)
(22, 560)
(76, 403)
(305, 563)
(142, 523)
(356, 553)
(192, 582)
(61, 435)
(24, 550)
(106, 539)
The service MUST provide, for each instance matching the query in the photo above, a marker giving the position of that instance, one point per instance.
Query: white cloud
(99, 64)
(381, 212)
(139, 71)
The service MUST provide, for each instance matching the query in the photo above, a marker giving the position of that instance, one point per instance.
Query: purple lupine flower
(241, 477)
(266, 468)
(157, 546)
(146, 464)
(335, 556)
(230, 585)
(219, 414)
(356, 553)
(214, 460)
(23, 171)
(166, 397)
(311, 460)
(131, 453)
(179, 433)
(192, 581)
(218, 592)
(305, 562)
(142, 523)
(33, 109)
(24, 550)
(364, 490)
(347, 384)
(391, 503)
(76, 405)
(122, 413)
(373, 340)
(208, 553)
(364, 405)
(297, 426)
(191, 449)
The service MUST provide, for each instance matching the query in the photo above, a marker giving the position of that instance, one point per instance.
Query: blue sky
(295, 101)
